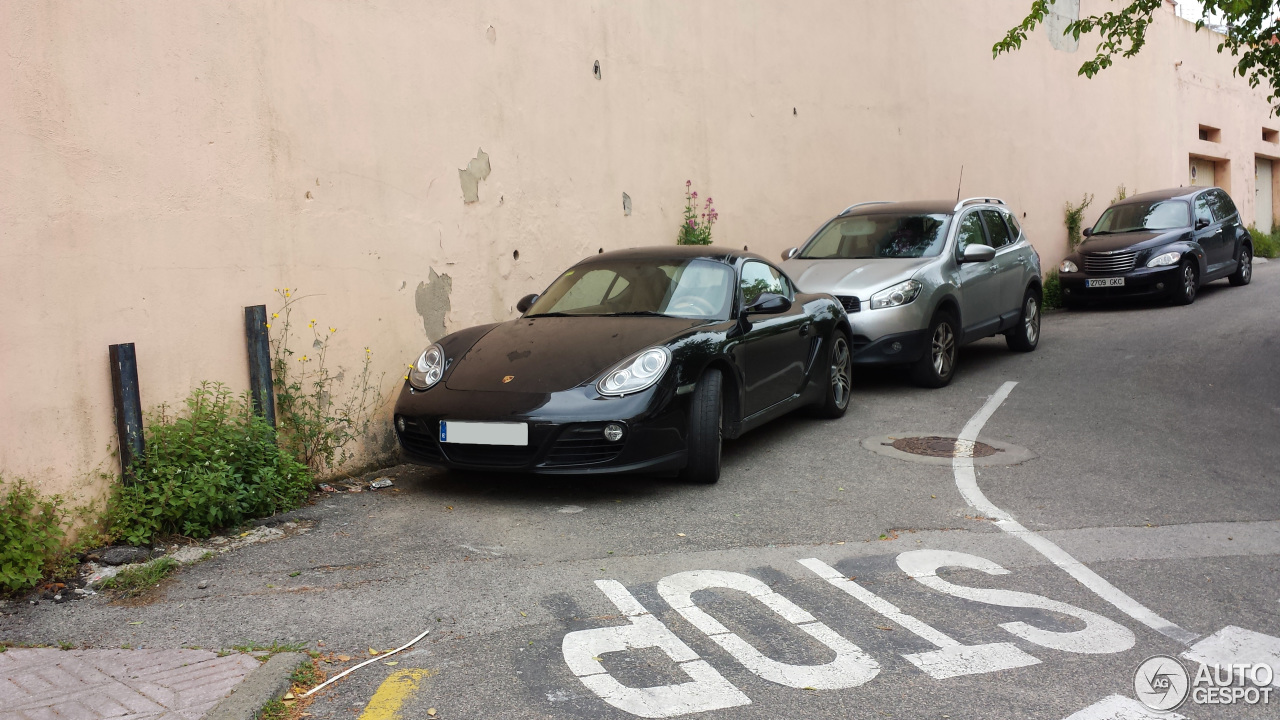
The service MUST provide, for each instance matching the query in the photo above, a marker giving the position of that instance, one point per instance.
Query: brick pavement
(42, 684)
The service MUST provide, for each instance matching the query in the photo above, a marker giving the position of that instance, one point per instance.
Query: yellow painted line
(387, 701)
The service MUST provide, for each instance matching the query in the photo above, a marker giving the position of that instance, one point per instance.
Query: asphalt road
(1147, 523)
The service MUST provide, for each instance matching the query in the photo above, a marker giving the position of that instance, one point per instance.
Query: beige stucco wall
(163, 165)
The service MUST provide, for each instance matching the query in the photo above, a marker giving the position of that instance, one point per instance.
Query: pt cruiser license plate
(1104, 282)
(483, 433)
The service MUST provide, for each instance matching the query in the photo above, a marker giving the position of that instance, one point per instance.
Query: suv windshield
(699, 289)
(1155, 215)
(880, 235)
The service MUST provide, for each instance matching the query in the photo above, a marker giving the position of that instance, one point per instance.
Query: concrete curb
(268, 682)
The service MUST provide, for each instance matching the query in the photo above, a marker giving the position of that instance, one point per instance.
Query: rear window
(880, 235)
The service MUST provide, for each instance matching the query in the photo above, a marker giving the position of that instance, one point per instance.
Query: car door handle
(804, 330)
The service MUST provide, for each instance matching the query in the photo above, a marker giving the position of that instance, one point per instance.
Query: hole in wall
(600, 251)
(596, 70)
(1271, 136)
(515, 254)
(1212, 134)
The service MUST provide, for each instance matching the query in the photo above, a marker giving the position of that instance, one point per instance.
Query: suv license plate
(482, 433)
(1104, 282)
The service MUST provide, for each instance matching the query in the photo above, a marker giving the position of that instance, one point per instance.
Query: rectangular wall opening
(1212, 134)
(1271, 136)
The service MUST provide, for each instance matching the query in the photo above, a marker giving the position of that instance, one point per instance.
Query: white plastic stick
(344, 673)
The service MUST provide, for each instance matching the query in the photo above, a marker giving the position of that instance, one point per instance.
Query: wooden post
(259, 341)
(124, 385)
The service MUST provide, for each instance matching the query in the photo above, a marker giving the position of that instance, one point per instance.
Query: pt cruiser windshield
(1158, 215)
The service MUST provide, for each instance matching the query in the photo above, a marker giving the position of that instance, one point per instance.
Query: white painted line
(967, 482)
(850, 668)
(1119, 707)
(879, 604)
(1237, 646)
(709, 690)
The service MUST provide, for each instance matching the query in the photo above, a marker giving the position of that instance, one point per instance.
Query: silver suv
(920, 279)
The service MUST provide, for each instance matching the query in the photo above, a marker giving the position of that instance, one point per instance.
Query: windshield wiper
(552, 314)
(651, 313)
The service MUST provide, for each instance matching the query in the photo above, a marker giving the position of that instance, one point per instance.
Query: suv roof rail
(972, 200)
(873, 202)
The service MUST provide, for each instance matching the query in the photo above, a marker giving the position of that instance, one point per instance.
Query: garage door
(1202, 172)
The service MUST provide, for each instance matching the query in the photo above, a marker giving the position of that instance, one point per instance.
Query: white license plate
(484, 433)
(1104, 282)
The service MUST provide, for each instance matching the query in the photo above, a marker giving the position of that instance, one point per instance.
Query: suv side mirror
(769, 304)
(978, 253)
(1088, 231)
(1201, 223)
(790, 253)
(526, 302)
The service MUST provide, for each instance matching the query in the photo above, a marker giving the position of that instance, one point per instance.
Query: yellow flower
(275, 315)
(286, 293)
(268, 326)
(275, 289)
(406, 377)
(333, 330)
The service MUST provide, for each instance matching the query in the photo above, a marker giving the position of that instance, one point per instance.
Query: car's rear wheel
(839, 384)
(1025, 336)
(703, 437)
(1188, 283)
(1244, 271)
(938, 364)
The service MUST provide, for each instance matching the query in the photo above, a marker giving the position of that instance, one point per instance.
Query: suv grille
(583, 445)
(1111, 264)
(851, 304)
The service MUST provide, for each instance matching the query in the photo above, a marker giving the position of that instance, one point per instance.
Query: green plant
(1122, 192)
(316, 422)
(275, 709)
(134, 580)
(1051, 291)
(1264, 245)
(214, 466)
(696, 228)
(273, 648)
(31, 534)
(1075, 220)
(306, 675)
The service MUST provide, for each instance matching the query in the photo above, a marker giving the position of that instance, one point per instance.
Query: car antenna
(960, 183)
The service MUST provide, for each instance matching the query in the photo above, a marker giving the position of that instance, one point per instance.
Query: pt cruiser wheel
(1188, 283)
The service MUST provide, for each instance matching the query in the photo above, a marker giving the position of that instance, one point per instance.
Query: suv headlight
(1163, 259)
(636, 373)
(429, 368)
(900, 294)
(1068, 267)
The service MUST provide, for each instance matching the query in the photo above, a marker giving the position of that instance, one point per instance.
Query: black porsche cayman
(632, 361)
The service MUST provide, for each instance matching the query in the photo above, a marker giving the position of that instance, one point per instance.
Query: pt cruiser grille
(1109, 264)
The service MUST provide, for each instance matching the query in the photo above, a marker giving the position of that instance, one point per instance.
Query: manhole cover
(938, 447)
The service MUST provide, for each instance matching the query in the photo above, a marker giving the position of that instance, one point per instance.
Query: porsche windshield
(1158, 215)
(699, 289)
(880, 235)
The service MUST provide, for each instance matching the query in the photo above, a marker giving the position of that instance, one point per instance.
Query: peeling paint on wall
(1061, 14)
(475, 171)
(432, 302)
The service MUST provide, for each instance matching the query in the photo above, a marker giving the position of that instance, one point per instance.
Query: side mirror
(526, 302)
(1201, 223)
(978, 253)
(769, 304)
(1088, 231)
(790, 253)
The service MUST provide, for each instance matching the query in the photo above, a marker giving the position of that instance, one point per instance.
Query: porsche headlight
(636, 373)
(900, 294)
(1068, 267)
(428, 369)
(1163, 259)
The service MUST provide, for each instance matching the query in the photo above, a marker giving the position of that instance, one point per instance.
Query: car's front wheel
(703, 434)
(1244, 270)
(1025, 336)
(839, 378)
(1188, 283)
(938, 364)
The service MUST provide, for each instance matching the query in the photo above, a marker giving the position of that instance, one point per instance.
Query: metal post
(259, 341)
(124, 385)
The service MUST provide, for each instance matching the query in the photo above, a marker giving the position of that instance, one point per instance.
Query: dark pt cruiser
(637, 360)
(1163, 244)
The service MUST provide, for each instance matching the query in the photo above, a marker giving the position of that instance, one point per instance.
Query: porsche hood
(550, 354)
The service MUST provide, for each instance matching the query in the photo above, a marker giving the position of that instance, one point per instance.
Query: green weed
(1074, 219)
(1051, 290)
(1267, 246)
(32, 529)
(137, 579)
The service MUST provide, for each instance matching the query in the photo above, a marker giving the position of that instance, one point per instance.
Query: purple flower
(687, 183)
(691, 222)
(695, 196)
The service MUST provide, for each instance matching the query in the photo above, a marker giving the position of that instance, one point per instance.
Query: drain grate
(938, 447)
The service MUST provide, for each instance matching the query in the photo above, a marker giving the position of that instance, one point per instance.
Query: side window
(1015, 230)
(970, 233)
(1202, 210)
(758, 278)
(1221, 204)
(996, 229)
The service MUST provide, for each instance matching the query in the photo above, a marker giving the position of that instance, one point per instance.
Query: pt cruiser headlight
(429, 368)
(1068, 266)
(900, 294)
(636, 373)
(1163, 259)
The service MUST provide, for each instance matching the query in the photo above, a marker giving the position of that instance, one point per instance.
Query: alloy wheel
(840, 374)
(1031, 318)
(1246, 265)
(1189, 282)
(944, 349)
